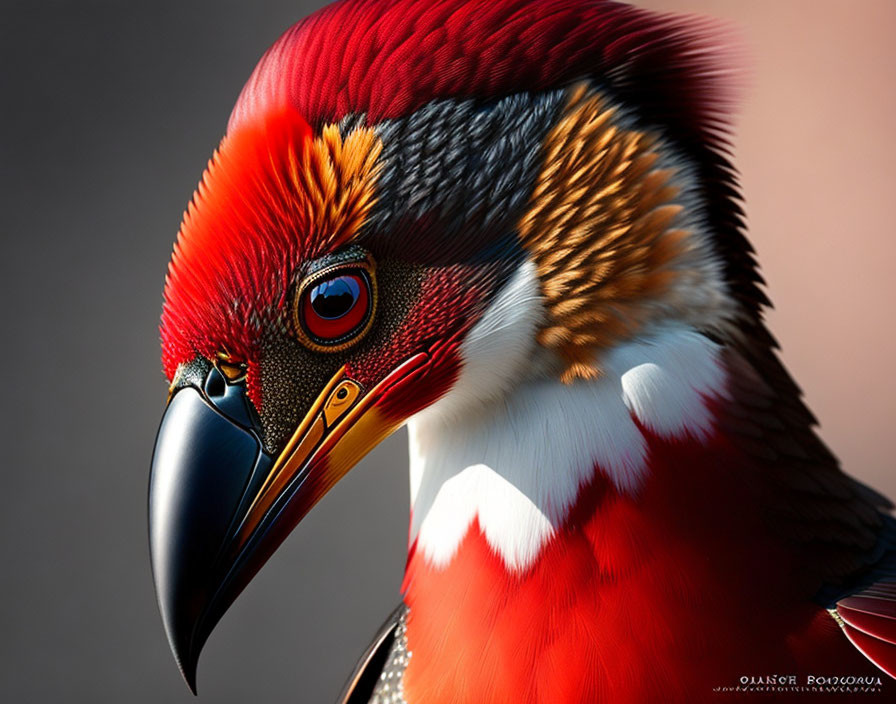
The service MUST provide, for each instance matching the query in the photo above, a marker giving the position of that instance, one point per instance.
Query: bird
(515, 228)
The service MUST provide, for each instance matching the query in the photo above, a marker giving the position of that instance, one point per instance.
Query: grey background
(109, 112)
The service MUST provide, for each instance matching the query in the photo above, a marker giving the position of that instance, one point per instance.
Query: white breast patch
(517, 460)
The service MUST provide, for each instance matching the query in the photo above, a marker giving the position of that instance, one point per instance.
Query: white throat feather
(514, 455)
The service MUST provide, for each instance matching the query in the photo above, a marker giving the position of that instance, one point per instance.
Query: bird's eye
(334, 309)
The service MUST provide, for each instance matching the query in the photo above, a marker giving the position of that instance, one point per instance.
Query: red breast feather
(660, 596)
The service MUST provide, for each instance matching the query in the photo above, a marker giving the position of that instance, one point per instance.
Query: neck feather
(515, 466)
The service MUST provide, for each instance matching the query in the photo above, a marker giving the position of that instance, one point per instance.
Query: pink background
(815, 146)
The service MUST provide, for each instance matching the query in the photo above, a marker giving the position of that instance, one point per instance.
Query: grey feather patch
(458, 159)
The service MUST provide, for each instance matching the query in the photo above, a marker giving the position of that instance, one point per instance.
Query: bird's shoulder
(843, 532)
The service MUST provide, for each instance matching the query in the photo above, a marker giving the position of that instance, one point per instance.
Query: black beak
(207, 466)
(219, 505)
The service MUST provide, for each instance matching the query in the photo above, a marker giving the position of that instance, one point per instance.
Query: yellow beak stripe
(341, 426)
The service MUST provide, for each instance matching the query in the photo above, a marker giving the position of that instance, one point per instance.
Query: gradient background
(109, 115)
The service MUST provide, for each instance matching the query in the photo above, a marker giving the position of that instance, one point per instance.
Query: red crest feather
(387, 58)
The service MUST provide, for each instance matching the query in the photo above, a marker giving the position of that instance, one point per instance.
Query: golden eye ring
(334, 308)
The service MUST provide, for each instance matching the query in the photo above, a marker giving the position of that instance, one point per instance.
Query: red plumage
(387, 58)
(242, 235)
(652, 597)
(870, 623)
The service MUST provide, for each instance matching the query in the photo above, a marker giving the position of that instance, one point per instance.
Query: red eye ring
(334, 308)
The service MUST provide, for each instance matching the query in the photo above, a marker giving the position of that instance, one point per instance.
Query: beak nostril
(215, 386)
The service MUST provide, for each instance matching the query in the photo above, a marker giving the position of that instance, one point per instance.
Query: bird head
(416, 208)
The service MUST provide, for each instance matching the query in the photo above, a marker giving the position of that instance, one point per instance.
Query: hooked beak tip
(186, 653)
(201, 465)
(189, 673)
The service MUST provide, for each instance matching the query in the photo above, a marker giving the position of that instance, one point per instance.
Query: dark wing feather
(843, 538)
(361, 683)
(880, 652)
(871, 614)
(843, 535)
(869, 621)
